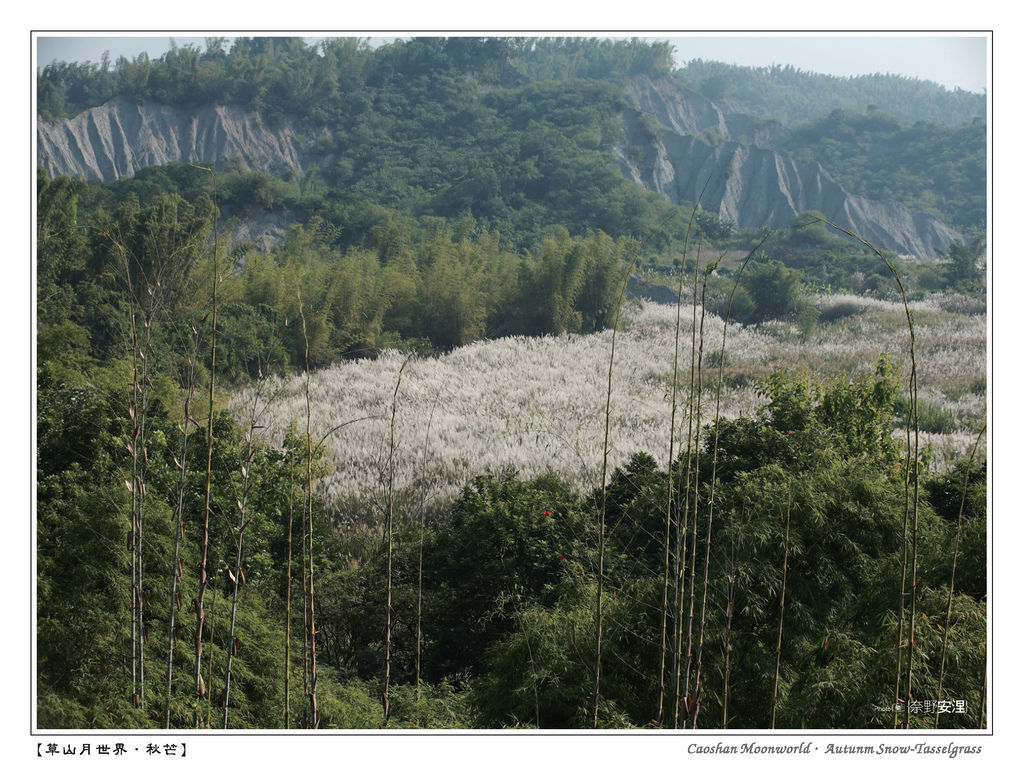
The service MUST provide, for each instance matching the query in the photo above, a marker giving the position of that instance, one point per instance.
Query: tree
(774, 289)
(964, 260)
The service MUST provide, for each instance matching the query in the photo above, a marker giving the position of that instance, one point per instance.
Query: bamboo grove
(796, 567)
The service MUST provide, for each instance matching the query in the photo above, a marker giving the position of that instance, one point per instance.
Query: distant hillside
(791, 95)
(521, 134)
(681, 144)
(928, 167)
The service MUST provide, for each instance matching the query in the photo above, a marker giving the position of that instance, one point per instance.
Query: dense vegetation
(382, 279)
(191, 574)
(507, 580)
(438, 285)
(502, 577)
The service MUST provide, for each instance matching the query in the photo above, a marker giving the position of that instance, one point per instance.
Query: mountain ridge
(684, 139)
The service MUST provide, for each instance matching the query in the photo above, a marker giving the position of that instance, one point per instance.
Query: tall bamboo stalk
(727, 634)
(305, 599)
(238, 576)
(914, 558)
(682, 527)
(141, 443)
(599, 602)
(179, 528)
(288, 595)
(903, 583)
(419, 571)
(533, 669)
(389, 540)
(209, 658)
(782, 610)
(141, 298)
(200, 691)
(136, 486)
(670, 504)
(136, 491)
(984, 686)
(952, 574)
(714, 481)
(687, 699)
(309, 669)
(669, 512)
(310, 592)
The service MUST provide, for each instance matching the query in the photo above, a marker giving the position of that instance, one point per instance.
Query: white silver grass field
(535, 405)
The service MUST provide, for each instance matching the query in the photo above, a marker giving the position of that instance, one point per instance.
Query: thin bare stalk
(141, 298)
(782, 611)
(727, 635)
(536, 694)
(670, 504)
(599, 603)
(309, 668)
(306, 552)
(984, 686)
(141, 443)
(305, 608)
(209, 658)
(310, 593)
(179, 529)
(903, 583)
(687, 700)
(288, 594)
(304, 576)
(682, 526)
(238, 576)
(419, 572)
(659, 716)
(952, 574)
(136, 498)
(137, 411)
(200, 691)
(913, 566)
(533, 667)
(389, 539)
(714, 480)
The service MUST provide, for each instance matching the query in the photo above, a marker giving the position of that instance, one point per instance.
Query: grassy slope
(533, 404)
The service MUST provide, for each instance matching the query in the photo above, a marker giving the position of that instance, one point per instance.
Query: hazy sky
(950, 60)
(953, 61)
